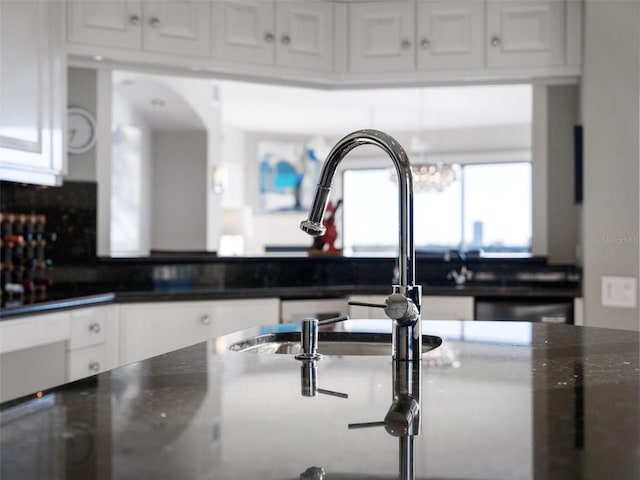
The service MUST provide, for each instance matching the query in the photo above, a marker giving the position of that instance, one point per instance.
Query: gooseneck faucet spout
(407, 338)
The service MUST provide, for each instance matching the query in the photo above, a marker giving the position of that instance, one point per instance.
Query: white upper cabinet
(32, 91)
(450, 35)
(289, 34)
(525, 33)
(381, 36)
(111, 23)
(178, 27)
(305, 35)
(336, 42)
(244, 32)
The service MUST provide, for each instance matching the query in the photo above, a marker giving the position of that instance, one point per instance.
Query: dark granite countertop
(72, 299)
(206, 277)
(498, 401)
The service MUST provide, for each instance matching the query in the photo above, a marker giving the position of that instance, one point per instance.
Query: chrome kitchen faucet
(403, 305)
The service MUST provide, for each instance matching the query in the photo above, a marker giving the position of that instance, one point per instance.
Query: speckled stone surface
(499, 400)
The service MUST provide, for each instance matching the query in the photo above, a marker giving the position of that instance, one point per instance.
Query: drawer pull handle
(205, 320)
(94, 367)
(94, 327)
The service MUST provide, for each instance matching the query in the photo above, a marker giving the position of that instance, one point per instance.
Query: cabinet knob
(154, 22)
(269, 38)
(286, 39)
(94, 366)
(424, 43)
(94, 327)
(134, 20)
(406, 44)
(496, 42)
(205, 320)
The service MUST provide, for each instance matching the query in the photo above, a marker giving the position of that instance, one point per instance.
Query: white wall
(81, 87)
(200, 96)
(562, 213)
(124, 115)
(179, 191)
(610, 113)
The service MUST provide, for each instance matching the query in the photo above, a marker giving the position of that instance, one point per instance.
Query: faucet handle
(367, 304)
(328, 321)
(399, 421)
(309, 381)
(397, 307)
(401, 308)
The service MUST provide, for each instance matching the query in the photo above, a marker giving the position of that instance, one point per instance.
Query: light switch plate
(619, 292)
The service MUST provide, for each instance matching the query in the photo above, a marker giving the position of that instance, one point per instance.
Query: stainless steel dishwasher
(529, 309)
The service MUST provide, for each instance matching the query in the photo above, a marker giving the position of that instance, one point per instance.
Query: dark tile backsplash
(71, 212)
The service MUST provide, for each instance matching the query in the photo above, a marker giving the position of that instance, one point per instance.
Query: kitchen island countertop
(503, 400)
(75, 299)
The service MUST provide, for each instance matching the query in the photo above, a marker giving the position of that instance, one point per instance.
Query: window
(488, 207)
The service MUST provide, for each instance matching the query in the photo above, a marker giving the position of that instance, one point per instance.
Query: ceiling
(295, 110)
(300, 110)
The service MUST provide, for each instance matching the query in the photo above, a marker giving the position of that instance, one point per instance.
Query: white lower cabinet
(233, 315)
(46, 350)
(434, 307)
(149, 329)
(93, 342)
(437, 307)
(32, 353)
(86, 362)
(321, 308)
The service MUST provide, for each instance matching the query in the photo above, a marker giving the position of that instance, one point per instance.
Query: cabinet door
(110, 23)
(234, 315)
(243, 32)
(381, 37)
(305, 35)
(32, 91)
(176, 26)
(150, 329)
(525, 33)
(450, 35)
(446, 308)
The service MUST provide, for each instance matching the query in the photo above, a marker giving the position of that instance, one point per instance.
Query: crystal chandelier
(429, 177)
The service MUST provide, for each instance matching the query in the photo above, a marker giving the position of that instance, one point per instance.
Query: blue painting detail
(288, 175)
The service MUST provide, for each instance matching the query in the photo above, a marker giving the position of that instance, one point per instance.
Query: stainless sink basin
(329, 343)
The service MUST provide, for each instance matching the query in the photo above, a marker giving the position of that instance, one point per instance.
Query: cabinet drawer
(33, 331)
(296, 310)
(435, 307)
(154, 328)
(86, 362)
(88, 327)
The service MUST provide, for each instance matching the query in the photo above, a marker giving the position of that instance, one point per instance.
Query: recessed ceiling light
(98, 58)
(158, 103)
